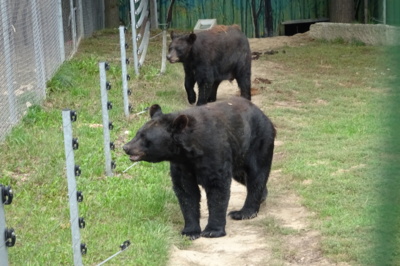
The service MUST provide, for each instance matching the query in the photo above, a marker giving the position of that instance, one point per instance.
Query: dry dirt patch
(249, 242)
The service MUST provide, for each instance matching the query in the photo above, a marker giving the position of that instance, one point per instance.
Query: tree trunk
(269, 27)
(169, 13)
(341, 11)
(153, 14)
(255, 18)
(111, 13)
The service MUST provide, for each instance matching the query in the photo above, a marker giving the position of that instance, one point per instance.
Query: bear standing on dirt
(207, 146)
(211, 56)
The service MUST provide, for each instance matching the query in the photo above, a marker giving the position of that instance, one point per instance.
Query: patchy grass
(327, 106)
(137, 205)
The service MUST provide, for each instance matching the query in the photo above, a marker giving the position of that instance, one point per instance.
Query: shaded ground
(281, 234)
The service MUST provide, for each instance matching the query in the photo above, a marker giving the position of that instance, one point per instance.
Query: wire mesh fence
(35, 38)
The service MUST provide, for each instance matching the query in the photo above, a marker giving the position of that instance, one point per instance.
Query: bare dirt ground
(262, 240)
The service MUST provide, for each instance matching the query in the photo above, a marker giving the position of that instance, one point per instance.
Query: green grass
(331, 128)
(136, 205)
(333, 139)
(387, 246)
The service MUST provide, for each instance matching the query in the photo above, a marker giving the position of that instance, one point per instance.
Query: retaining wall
(371, 34)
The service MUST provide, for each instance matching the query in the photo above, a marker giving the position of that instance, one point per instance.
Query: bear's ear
(180, 123)
(155, 110)
(191, 38)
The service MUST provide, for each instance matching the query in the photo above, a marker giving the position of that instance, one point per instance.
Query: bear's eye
(146, 142)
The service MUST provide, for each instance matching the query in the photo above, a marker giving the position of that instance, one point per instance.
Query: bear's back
(237, 117)
(222, 37)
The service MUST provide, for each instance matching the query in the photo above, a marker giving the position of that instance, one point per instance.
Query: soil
(256, 241)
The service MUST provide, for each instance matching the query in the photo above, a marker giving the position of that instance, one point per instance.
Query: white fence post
(107, 125)
(125, 76)
(5, 28)
(164, 51)
(37, 43)
(80, 20)
(7, 236)
(143, 25)
(72, 171)
(60, 30)
(73, 26)
(134, 37)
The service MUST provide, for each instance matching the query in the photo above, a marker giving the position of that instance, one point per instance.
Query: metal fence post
(80, 20)
(107, 125)
(37, 43)
(3, 248)
(5, 28)
(60, 30)
(7, 235)
(73, 26)
(164, 50)
(134, 37)
(144, 44)
(72, 171)
(153, 12)
(125, 76)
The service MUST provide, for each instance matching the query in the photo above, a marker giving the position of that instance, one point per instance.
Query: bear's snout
(134, 154)
(127, 148)
(172, 58)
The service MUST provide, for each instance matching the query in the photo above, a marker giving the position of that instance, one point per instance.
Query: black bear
(211, 56)
(207, 146)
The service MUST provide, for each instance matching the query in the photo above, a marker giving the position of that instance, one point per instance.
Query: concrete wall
(371, 34)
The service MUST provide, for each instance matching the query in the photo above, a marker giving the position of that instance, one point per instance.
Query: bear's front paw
(242, 215)
(191, 234)
(213, 233)
(211, 99)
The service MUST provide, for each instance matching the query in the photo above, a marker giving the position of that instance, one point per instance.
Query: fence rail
(35, 39)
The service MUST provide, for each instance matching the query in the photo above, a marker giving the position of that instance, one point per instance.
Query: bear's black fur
(211, 56)
(207, 146)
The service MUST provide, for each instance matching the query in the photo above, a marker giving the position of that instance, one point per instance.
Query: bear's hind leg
(256, 184)
(213, 94)
(243, 79)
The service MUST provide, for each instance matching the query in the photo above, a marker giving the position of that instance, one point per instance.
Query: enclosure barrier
(107, 124)
(123, 247)
(140, 31)
(74, 196)
(125, 77)
(164, 48)
(36, 37)
(7, 235)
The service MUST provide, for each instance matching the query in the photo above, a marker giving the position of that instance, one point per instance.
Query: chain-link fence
(36, 36)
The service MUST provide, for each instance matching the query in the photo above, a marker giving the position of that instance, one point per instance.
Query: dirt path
(281, 233)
